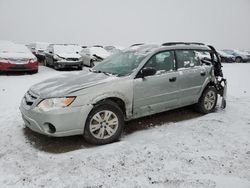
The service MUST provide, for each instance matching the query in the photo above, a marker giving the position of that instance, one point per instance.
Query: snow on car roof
(61, 48)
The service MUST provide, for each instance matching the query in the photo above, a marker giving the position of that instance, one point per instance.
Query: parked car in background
(134, 83)
(61, 56)
(112, 49)
(38, 49)
(92, 55)
(240, 56)
(17, 57)
(227, 58)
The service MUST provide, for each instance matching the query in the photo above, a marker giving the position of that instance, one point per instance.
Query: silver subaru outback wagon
(140, 81)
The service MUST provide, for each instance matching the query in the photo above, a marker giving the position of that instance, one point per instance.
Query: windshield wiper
(98, 71)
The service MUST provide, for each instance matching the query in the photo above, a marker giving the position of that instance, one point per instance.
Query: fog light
(48, 127)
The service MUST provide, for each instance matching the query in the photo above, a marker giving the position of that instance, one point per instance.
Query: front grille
(29, 98)
(18, 67)
(72, 59)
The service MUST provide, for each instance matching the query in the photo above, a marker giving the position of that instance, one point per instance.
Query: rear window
(187, 59)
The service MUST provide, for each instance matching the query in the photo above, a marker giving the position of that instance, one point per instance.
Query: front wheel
(238, 60)
(207, 101)
(104, 124)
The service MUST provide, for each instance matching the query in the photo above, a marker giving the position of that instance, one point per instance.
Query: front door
(156, 93)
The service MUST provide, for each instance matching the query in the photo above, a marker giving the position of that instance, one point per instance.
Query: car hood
(68, 55)
(67, 84)
(14, 55)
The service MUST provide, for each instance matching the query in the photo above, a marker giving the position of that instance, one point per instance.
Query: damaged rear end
(219, 82)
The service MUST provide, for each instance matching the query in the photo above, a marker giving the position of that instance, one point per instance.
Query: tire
(238, 60)
(223, 104)
(92, 63)
(80, 67)
(45, 63)
(55, 66)
(34, 72)
(207, 101)
(104, 124)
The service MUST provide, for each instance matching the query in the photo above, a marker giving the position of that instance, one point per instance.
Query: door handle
(203, 73)
(173, 79)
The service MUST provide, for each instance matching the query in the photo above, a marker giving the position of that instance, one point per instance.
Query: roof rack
(137, 44)
(184, 43)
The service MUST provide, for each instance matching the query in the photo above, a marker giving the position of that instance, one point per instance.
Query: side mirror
(148, 71)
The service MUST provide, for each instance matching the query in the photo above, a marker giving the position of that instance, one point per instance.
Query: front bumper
(63, 64)
(66, 121)
(19, 67)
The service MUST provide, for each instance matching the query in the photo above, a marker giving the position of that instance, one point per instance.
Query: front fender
(115, 94)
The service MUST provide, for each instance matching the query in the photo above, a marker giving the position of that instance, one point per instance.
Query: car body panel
(154, 94)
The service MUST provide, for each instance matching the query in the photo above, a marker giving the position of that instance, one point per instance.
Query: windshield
(121, 64)
(15, 48)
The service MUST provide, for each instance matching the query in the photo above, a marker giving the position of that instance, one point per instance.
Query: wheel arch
(206, 84)
(124, 104)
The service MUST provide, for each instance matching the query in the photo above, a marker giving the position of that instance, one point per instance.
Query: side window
(186, 59)
(162, 62)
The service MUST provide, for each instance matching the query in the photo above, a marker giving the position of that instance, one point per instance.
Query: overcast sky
(223, 23)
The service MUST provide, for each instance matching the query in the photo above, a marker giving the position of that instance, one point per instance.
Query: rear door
(192, 75)
(156, 93)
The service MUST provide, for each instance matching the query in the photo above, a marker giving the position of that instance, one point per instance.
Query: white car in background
(17, 57)
(91, 55)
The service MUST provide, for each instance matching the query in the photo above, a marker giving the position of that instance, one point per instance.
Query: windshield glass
(121, 64)
(15, 48)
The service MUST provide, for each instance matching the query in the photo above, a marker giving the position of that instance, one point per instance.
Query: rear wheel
(207, 101)
(104, 124)
(238, 60)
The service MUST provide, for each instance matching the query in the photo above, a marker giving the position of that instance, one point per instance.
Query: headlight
(55, 103)
(34, 60)
(56, 57)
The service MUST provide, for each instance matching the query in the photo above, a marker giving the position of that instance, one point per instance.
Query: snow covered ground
(168, 151)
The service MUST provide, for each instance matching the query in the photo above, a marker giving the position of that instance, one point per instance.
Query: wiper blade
(98, 71)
